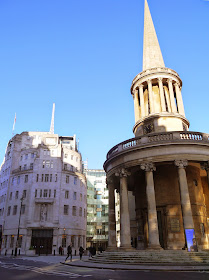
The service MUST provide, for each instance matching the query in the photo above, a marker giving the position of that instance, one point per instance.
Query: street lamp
(18, 230)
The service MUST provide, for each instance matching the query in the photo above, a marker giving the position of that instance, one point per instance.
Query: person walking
(69, 253)
(81, 251)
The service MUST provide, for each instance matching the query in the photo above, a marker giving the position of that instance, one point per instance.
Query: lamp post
(18, 229)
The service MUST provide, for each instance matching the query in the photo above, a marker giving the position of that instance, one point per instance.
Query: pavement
(85, 263)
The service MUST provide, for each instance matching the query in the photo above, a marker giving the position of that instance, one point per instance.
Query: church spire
(52, 120)
(152, 56)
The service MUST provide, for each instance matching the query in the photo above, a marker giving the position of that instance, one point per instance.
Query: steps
(152, 257)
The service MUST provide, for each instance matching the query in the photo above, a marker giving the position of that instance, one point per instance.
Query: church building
(162, 173)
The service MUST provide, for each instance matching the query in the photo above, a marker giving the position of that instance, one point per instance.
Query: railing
(22, 170)
(158, 138)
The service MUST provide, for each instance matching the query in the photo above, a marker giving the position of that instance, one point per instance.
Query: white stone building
(42, 174)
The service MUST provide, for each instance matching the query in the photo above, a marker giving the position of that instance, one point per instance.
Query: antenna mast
(52, 120)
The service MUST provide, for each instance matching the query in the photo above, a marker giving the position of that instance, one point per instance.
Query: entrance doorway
(42, 240)
(161, 228)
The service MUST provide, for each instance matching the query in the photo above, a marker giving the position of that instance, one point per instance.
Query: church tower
(156, 90)
(161, 174)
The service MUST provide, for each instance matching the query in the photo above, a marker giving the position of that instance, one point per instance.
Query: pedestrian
(81, 251)
(69, 253)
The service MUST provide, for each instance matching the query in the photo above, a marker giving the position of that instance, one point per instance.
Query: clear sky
(83, 55)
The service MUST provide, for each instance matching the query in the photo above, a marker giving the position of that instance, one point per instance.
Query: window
(20, 241)
(42, 177)
(66, 155)
(40, 193)
(84, 213)
(16, 195)
(26, 178)
(24, 193)
(71, 157)
(37, 175)
(50, 177)
(46, 177)
(25, 167)
(80, 196)
(66, 209)
(64, 240)
(31, 165)
(5, 241)
(21, 158)
(45, 152)
(67, 179)
(13, 180)
(74, 195)
(9, 211)
(45, 193)
(54, 193)
(80, 211)
(47, 163)
(43, 165)
(15, 210)
(52, 152)
(20, 167)
(55, 177)
(76, 159)
(10, 196)
(75, 180)
(26, 156)
(74, 210)
(65, 166)
(49, 193)
(66, 194)
(35, 193)
(32, 155)
(23, 209)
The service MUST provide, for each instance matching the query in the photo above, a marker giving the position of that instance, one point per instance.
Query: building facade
(161, 173)
(42, 194)
(97, 208)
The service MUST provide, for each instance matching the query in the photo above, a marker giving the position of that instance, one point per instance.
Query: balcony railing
(22, 170)
(159, 138)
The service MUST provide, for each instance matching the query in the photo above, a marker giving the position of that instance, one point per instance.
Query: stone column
(151, 99)
(151, 203)
(205, 166)
(125, 232)
(185, 199)
(173, 103)
(162, 97)
(136, 105)
(141, 95)
(112, 223)
(179, 99)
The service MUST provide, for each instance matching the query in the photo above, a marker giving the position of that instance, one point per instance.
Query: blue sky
(83, 55)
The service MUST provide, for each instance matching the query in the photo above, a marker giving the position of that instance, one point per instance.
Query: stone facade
(42, 193)
(163, 171)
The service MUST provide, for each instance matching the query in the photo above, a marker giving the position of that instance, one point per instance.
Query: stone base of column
(127, 249)
(111, 249)
(154, 247)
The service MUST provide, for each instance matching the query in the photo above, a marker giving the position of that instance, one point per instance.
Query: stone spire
(152, 56)
(52, 120)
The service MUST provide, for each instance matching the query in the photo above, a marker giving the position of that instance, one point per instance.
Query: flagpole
(13, 128)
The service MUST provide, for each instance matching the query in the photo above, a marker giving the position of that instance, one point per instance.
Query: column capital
(181, 163)
(169, 80)
(148, 166)
(177, 84)
(205, 165)
(160, 79)
(149, 81)
(109, 180)
(141, 86)
(122, 172)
